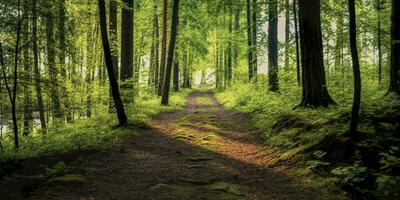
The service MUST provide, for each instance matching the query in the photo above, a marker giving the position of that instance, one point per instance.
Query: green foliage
(60, 169)
(96, 133)
(299, 134)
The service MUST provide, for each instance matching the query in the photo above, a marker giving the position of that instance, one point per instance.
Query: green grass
(298, 133)
(96, 133)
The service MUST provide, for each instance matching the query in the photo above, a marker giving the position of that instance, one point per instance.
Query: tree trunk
(174, 33)
(35, 50)
(378, 8)
(157, 47)
(230, 48)
(395, 49)
(113, 32)
(287, 32)
(127, 49)
(315, 92)
(249, 41)
(273, 46)
(163, 48)
(27, 74)
(61, 56)
(254, 43)
(296, 32)
(356, 70)
(53, 72)
(236, 41)
(176, 70)
(119, 106)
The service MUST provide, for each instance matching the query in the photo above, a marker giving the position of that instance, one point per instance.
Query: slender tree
(254, 42)
(119, 106)
(356, 69)
(315, 92)
(296, 33)
(127, 48)
(249, 41)
(51, 62)
(61, 57)
(379, 35)
(176, 70)
(163, 47)
(113, 32)
(273, 46)
(39, 96)
(395, 48)
(287, 33)
(27, 72)
(171, 52)
(156, 47)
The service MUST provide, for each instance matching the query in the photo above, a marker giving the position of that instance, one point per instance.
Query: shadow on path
(200, 152)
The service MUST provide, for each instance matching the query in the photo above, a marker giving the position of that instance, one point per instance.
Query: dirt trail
(201, 152)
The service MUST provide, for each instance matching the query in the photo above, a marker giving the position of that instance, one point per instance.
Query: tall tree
(287, 33)
(230, 47)
(237, 31)
(296, 33)
(273, 46)
(356, 69)
(163, 47)
(395, 48)
(61, 56)
(379, 35)
(127, 48)
(51, 63)
(254, 42)
(27, 72)
(315, 92)
(39, 96)
(249, 41)
(171, 52)
(113, 32)
(156, 46)
(176, 70)
(12, 92)
(119, 106)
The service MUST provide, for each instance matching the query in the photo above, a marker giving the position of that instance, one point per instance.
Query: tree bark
(287, 34)
(176, 70)
(127, 49)
(249, 41)
(254, 43)
(62, 54)
(296, 32)
(395, 48)
(156, 48)
(356, 70)
(171, 52)
(273, 46)
(378, 8)
(35, 50)
(27, 74)
(315, 92)
(113, 32)
(119, 106)
(53, 71)
(163, 48)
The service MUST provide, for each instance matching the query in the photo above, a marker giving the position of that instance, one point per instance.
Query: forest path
(202, 152)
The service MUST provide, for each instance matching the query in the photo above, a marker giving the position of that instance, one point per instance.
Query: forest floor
(203, 151)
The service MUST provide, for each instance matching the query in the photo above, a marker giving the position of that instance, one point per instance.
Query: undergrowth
(307, 137)
(99, 132)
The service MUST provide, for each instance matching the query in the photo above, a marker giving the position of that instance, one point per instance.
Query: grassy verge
(308, 137)
(95, 133)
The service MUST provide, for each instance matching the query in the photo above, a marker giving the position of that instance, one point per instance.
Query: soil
(202, 152)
